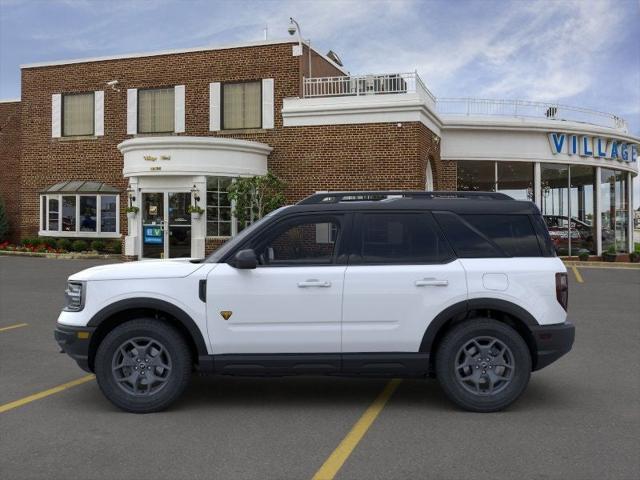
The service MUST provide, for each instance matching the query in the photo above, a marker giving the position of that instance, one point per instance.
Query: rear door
(401, 274)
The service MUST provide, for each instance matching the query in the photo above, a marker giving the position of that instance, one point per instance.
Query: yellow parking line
(334, 463)
(577, 274)
(11, 327)
(37, 396)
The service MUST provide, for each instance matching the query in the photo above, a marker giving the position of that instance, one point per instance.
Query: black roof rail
(377, 195)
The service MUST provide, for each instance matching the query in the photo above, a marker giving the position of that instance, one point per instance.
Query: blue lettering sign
(614, 150)
(601, 150)
(152, 235)
(624, 152)
(634, 153)
(556, 141)
(573, 149)
(585, 147)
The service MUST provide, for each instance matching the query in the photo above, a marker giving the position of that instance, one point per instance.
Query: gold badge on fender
(226, 314)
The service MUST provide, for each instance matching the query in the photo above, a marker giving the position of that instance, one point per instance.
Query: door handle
(313, 283)
(431, 282)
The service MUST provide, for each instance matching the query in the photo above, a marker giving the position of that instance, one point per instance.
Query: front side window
(241, 105)
(400, 238)
(297, 243)
(77, 114)
(156, 110)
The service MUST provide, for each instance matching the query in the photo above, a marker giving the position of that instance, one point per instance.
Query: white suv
(460, 286)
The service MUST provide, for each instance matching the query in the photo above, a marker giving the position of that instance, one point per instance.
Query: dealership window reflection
(614, 210)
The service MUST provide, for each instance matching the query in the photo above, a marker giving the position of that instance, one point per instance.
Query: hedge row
(70, 245)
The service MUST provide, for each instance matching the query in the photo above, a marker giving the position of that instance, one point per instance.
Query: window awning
(81, 186)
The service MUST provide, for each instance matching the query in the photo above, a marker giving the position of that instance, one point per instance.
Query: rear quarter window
(514, 234)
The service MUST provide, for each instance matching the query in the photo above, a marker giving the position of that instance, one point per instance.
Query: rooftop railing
(528, 109)
(357, 85)
(400, 83)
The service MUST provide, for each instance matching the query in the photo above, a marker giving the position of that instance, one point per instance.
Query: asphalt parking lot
(579, 418)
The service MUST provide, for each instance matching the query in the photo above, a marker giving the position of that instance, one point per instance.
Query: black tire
(462, 375)
(170, 368)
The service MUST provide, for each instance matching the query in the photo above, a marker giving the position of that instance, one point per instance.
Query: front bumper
(552, 342)
(75, 341)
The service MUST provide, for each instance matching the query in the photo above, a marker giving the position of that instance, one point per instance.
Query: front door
(292, 302)
(166, 225)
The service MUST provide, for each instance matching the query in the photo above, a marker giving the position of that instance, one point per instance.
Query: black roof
(458, 202)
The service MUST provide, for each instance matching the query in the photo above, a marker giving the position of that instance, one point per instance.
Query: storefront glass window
(476, 176)
(516, 179)
(53, 213)
(583, 227)
(218, 207)
(555, 204)
(69, 213)
(614, 210)
(88, 213)
(108, 213)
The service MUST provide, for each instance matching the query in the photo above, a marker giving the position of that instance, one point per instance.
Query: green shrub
(79, 246)
(64, 244)
(98, 245)
(583, 255)
(28, 241)
(115, 247)
(47, 242)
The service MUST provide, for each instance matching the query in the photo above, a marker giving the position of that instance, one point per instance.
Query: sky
(584, 53)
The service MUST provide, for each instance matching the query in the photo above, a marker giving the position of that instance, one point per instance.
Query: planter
(609, 257)
(131, 216)
(634, 257)
(196, 215)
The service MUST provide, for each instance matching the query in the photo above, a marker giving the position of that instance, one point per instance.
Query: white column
(630, 211)
(537, 185)
(199, 226)
(133, 239)
(598, 213)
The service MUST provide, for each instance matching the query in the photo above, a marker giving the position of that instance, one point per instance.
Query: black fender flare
(459, 310)
(154, 304)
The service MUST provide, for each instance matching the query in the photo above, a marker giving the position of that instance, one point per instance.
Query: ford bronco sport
(461, 286)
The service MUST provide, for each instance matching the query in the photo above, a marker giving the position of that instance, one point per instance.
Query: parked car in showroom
(461, 286)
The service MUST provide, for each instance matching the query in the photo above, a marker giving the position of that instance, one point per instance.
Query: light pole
(294, 27)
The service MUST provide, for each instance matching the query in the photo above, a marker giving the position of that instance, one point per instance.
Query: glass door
(153, 215)
(179, 225)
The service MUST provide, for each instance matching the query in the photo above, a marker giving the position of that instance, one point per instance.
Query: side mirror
(245, 259)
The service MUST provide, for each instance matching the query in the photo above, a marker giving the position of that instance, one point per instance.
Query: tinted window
(512, 233)
(548, 250)
(467, 241)
(309, 242)
(400, 238)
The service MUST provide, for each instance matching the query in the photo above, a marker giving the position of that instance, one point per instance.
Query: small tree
(254, 197)
(4, 222)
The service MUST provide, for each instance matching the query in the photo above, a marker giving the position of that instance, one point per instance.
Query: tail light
(562, 289)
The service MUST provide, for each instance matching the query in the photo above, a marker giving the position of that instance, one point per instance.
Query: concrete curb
(64, 256)
(611, 265)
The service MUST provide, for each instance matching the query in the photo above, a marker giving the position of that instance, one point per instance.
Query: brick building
(163, 130)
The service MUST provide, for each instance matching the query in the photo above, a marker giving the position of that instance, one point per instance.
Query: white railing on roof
(356, 85)
(525, 108)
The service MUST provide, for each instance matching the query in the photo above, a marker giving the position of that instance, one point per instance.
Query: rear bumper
(552, 342)
(75, 341)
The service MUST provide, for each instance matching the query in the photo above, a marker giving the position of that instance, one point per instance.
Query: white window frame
(78, 233)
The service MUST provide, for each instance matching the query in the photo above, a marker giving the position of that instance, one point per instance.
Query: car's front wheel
(483, 365)
(143, 365)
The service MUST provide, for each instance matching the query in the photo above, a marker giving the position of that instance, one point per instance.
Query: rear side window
(512, 233)
(466, 240)
(400, 238)
(544, 239)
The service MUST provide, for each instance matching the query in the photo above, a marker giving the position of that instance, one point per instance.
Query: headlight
(74, 297)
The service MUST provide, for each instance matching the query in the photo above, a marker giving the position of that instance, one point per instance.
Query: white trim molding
(132, 111)
(214, 107)
(187, 156)
(267, 103)
(56, 115)
(98, 112)
(179, 101)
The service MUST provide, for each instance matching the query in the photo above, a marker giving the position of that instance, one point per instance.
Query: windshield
(233, 242)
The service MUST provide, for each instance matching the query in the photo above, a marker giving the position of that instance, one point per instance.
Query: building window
(76, 215)
(241, 105)
(614, 210)
(219, 209)
(477, 176)
(516, 179)
(156, 110)
(78, 114)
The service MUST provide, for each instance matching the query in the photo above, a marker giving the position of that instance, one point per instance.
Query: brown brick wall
(10, 161)
(371, 156)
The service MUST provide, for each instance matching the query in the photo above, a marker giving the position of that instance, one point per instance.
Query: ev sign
(597, 147)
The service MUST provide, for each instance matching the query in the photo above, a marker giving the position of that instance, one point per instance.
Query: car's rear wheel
(483, 365)
(143, 365)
